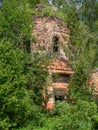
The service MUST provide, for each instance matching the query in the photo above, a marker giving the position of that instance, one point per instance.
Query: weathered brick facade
(51, 35)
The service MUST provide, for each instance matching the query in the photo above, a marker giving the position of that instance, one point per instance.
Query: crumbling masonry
(52, 35)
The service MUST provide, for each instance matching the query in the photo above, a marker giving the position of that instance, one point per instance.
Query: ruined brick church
(51, 34)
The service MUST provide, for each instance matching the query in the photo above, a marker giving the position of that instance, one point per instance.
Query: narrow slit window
(27, 46)
(55, 44)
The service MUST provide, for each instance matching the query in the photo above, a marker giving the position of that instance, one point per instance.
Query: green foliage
(54, 12)
(34, 2)
(37, 76)
(47, 11)
(22, 77)
(15, 20)
(83, 59)
(16, 106)
(82, 53)
(84, 48)
(78, 116)
(21, 86)
(90, 12)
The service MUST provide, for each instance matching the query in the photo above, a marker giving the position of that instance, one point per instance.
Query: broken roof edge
(44, 10)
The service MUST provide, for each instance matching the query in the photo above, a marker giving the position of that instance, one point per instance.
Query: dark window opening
(59, 98)
(61, 78)
(27, 46)
(59, 94)
(55, 44)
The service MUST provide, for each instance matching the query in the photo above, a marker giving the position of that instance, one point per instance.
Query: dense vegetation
(22, 82)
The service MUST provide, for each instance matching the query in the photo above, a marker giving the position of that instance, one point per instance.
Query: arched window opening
(55, 44)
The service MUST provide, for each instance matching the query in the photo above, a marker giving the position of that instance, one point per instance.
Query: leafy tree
(21, 76)
(90, 12)
(15, 21)
(82, 56)
(21, 86)
(15, 102)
